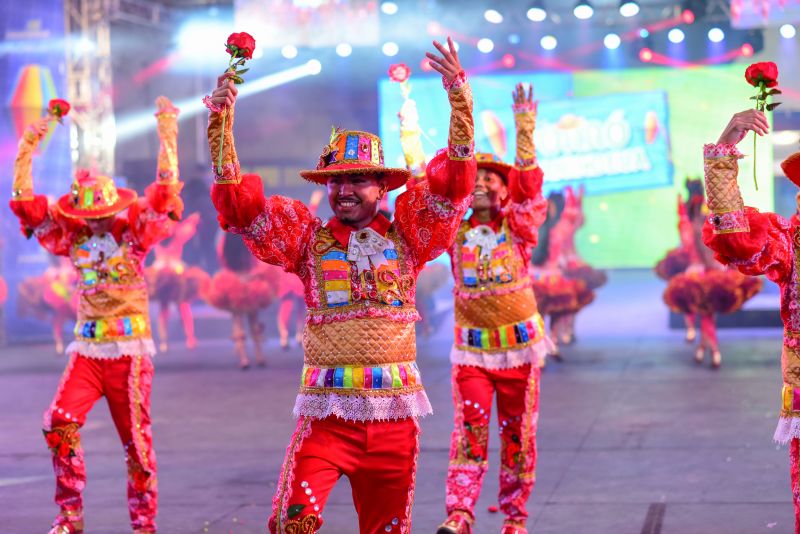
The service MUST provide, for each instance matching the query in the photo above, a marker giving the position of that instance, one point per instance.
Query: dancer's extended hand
(521, 97)
(225, 93)
(448, 65)
(741, 123)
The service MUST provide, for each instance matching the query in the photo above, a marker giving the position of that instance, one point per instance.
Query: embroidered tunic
(113, 318)
(758, 243)
(498, 324)
(359, 340)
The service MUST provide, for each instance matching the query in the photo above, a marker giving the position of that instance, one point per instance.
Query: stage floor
(633, 436)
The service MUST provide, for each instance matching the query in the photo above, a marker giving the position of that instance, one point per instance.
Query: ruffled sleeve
(754, 242)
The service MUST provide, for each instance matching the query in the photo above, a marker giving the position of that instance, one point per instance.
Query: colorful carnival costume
(51, 294)
(559, 296)
(243, 287)
(361, 391)
(762, 243)
(677, 260)
(500, 342)
(111, 353)
(171, 281)
(706, 288)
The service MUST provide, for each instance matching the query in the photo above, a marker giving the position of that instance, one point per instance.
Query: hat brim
(500, 168)
(791, 168)
(395, 177)
(126, 198)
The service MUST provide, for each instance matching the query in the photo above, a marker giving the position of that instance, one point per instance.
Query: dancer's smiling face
(355, 198)
(489, 191)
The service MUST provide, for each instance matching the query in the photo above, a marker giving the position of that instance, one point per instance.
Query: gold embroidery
(721, 187)
(287, 465)
(304, 525)
(367, 341)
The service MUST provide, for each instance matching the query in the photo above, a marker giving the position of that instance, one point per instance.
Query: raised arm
(428, 214)
(527, 210)
(36, 216)
(277, 229)
(754, 242)
(153, 217)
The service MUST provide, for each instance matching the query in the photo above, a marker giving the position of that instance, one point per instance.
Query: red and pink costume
(762, 243)
(110, 356)
(360, 388)
(500, 342)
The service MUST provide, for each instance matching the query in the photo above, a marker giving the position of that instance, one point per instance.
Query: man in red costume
(760, 243)
(499, 335)
(111, 353)
(360, 390)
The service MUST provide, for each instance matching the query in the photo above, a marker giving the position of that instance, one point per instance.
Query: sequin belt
(507, 337)
(389, 378)
(113, 329)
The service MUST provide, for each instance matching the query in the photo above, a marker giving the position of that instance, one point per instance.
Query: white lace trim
(113, 350)
(535, 354)
(362, 407)
(788, 429)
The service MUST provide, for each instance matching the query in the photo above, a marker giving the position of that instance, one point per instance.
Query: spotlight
(389, 8)
(390, 49)
(509, 61)
(644, 33)
(628, 8)
(612, 41)
(676, 35)
(314, 67)
(493, 16)
(646, 55)
(289, 51)
(514, 38)
(687, 16)
(344, 49)
(746, 50)
(788, 31)
(485, 45)
(548, 42)
(197, 38)
(583, 10)
(536, 12)
(716, 35)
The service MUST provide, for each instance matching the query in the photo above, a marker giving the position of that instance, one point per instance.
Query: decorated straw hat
(491, 162)
(354, 152)
(791, 168)
(94, 197)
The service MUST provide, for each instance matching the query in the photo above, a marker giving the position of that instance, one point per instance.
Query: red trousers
(517, 391)
(379, 458)
(794, 457)
(125, 383)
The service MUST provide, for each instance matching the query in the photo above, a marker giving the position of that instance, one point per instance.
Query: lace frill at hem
(362, 407)
(534, 354)
(788, 429)
(113, 350)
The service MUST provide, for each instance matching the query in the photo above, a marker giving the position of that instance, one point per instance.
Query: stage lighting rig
(537, 12)
(583, 10)
(628, 8)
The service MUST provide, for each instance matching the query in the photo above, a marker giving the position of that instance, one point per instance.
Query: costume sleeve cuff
(713, 151)
(212, 107)
(456, 83)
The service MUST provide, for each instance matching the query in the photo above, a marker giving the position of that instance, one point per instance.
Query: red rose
(58, 108)
(399, 72)
(766, 72)
(241, 42)
(53, 439)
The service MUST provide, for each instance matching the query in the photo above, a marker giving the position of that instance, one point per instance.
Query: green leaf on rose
(774, 92)
(772, 106)
(236, 79)
(753, 98)
(240, 72)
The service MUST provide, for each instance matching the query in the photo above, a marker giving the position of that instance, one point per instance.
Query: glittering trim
(461, 152)
(228, 169)
(332, 315)
(212, 107)
(112, 350)
(730, 222)
(280, 501)
(405, 525)
(534, 354)
(713, 151)
(363, 408)
(443, 207)
(526, 107)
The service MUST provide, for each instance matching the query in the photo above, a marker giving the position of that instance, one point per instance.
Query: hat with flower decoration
(354, 152)
(491, 162)
(94, 197)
